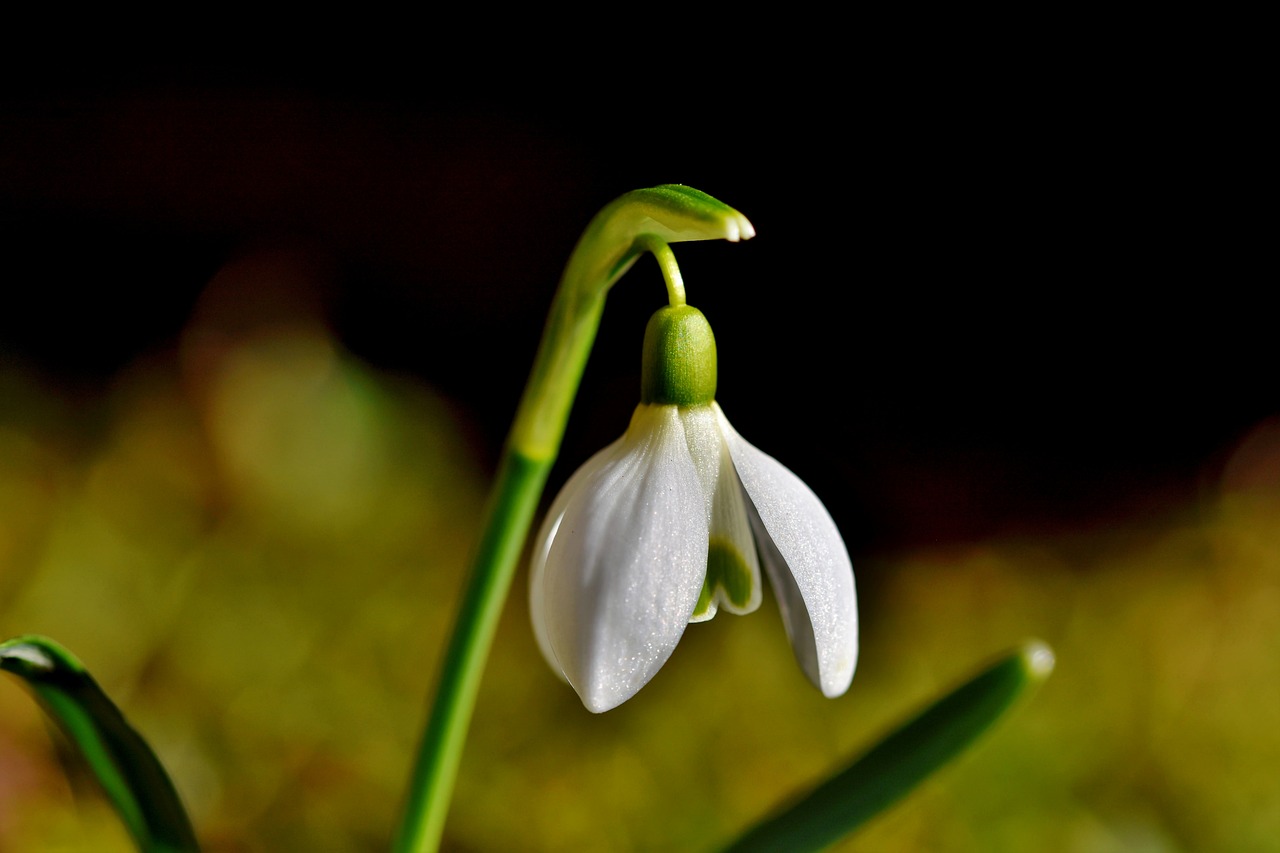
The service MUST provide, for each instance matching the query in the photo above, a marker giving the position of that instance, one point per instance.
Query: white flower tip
(1038, 659)
(598, 702)
(606, 685)
(738, 227)
(836, 680)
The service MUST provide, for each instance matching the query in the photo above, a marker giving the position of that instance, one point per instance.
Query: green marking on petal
(728, 568)
(729, 580)
(702, 611)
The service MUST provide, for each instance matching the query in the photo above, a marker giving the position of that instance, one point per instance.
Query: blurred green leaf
(131, 775)
(904, 759)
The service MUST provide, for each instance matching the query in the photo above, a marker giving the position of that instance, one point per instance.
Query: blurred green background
(265, 321)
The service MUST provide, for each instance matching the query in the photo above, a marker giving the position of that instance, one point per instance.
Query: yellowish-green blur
(256, 544)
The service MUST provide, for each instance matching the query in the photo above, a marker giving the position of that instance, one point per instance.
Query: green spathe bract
(679, 367)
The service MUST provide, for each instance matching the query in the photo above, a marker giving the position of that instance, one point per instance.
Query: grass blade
(904, 759)
(129, 772)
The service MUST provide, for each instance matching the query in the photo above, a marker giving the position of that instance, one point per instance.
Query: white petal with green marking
(733, 570)
(807, 565)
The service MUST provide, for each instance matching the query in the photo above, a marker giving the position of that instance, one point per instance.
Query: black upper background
(990, 292)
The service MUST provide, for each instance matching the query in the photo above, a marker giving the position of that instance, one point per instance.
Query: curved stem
(611, 243)
(666, 258)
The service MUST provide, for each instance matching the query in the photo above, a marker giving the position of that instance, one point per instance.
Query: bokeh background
(264, 321)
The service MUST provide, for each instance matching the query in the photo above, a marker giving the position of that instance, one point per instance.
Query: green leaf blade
(132, 777)
(902, 760)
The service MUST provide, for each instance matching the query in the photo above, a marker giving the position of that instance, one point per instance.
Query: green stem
(642, 220)
(667, 261)
(516, 492)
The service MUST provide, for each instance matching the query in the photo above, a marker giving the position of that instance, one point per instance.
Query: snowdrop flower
(672, 523)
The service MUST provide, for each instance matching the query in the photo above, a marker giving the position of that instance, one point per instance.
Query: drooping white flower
(673, 522)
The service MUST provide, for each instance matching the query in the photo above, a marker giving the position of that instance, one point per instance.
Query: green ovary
(727, 570)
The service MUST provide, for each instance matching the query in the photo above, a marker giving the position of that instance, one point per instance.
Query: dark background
(992, 291)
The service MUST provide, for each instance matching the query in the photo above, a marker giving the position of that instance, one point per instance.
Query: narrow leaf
(904, 759)
(129, 772)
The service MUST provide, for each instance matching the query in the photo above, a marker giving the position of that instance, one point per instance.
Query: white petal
(702, 435)
(542, 545)
(732, 556)
(626, 562)
(807, 564)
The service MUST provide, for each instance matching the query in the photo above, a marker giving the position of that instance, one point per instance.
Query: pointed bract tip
(1038, 659)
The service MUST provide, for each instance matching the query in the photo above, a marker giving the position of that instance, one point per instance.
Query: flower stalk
(639, 221)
